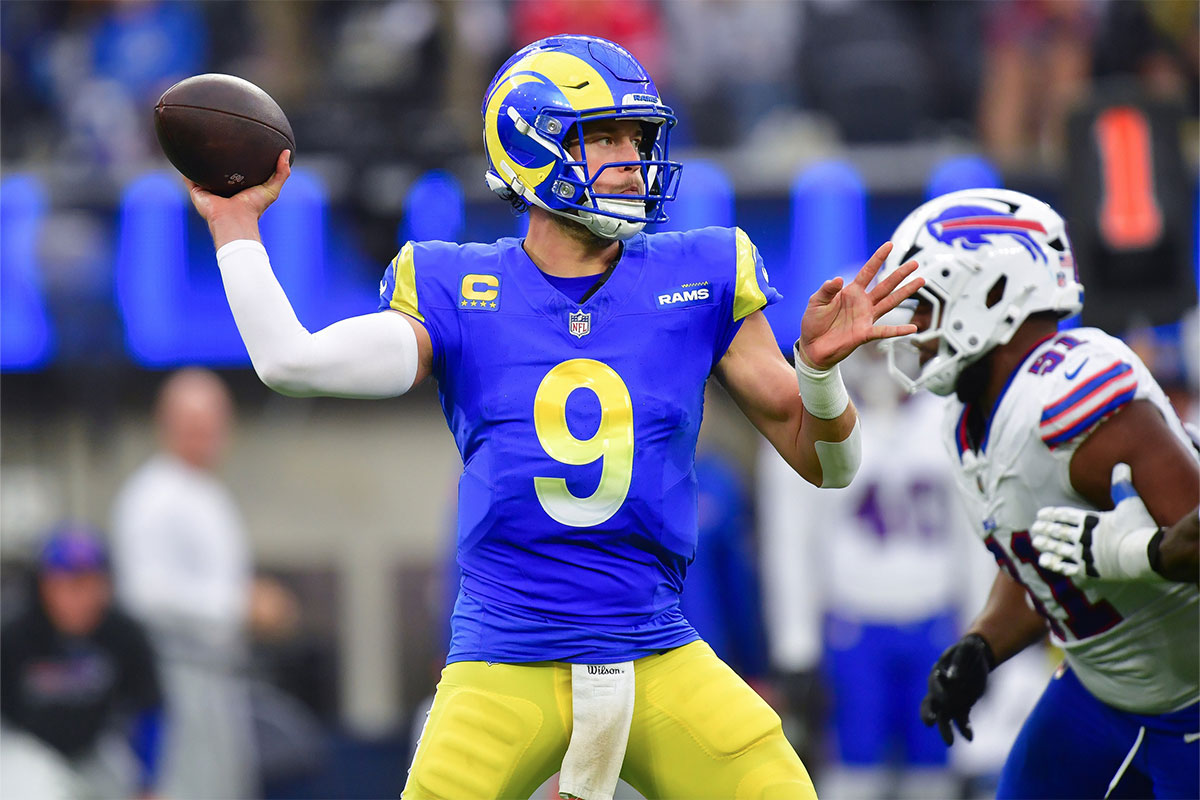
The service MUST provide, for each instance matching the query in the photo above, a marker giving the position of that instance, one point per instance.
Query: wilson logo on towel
(600, 669)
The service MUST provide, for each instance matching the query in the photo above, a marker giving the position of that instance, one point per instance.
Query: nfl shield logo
(579, 324)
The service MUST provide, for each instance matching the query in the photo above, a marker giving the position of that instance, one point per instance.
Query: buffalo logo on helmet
(975, 226)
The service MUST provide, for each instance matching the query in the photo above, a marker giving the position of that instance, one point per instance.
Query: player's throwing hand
(244, 208)
(841, 317)
(1091, 544)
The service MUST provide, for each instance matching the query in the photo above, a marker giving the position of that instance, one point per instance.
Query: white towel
(602, 710)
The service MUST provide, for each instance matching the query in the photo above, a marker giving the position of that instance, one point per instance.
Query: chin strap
(604, 226)
(607, 227)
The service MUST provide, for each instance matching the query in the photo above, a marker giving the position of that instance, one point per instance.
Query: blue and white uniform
(872, 579)
(1132, 669)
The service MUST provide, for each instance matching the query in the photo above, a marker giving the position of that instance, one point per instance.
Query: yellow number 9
(613, 441)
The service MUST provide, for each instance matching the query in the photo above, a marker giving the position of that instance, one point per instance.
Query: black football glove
(956, 682)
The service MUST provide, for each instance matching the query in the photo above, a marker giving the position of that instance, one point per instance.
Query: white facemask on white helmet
(990, 258)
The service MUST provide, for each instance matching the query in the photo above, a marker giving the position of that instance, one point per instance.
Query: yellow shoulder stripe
(404, 296)
(747, 297)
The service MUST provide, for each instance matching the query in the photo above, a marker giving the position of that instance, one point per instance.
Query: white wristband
(1131, 555)
(822, 390)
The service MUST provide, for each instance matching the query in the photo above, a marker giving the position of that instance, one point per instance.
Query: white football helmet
(972, 245)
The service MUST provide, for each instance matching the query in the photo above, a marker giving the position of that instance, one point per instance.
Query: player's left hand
(841, 317)
(956, 681)
(1087, 545)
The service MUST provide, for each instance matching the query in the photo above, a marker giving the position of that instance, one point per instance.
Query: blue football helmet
(540, 99)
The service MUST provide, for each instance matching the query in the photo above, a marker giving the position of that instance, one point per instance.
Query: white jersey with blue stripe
(1134, 645)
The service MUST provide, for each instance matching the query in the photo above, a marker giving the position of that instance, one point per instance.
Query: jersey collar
(962, 438)
(602, 305)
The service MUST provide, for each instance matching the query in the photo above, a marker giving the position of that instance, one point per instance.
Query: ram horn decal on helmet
(535, 106)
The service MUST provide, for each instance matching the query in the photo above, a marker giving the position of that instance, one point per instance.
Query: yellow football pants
(500, 730)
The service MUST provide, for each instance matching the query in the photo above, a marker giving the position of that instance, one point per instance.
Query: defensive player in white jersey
(870, 581)
(1042, 417)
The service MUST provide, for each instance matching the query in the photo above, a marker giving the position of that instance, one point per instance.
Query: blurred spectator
(377, 97)
(1158, 41)
(1037, 65)
(871, 580)
(861, 64)
(730, 64)
(147, 45)
(636, 25)
(80, 78)
(477, 35)
(76, 676)
(107, 75)
(183, 567)
(30, 124)
(1169, 352)
(890, 71)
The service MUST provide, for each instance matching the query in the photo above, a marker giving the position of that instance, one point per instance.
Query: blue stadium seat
(26, 333)
(962, 172)
(294, 231)
(828, 238)
(433, 209)
(169, 290)
(705, 198)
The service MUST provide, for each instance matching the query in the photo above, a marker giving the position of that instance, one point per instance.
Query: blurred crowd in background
(398, 83)
(380, 92)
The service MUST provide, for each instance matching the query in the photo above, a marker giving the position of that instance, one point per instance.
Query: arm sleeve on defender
(374, 355)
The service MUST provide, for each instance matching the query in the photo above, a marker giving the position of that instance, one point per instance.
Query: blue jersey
(577, 427)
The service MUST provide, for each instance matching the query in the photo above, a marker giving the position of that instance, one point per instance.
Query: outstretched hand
(840, 317)
(236, 217)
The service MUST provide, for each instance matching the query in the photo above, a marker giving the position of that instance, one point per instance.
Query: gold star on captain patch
(474, 302)
(493, 305)
(464, 302)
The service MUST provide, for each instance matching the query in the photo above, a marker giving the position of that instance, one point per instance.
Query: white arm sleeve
(374, 355)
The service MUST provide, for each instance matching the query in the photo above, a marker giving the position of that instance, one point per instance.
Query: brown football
(222, 132)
